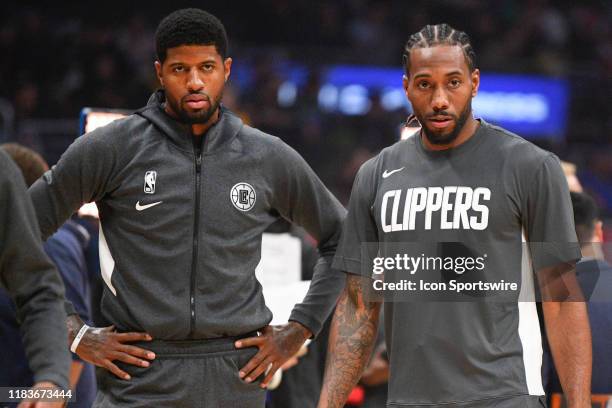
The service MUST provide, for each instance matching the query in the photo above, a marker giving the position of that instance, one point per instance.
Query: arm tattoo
(351, 341)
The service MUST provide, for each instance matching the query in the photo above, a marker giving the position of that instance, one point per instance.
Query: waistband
(178, 348)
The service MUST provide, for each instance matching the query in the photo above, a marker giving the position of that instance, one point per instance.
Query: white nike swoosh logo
(144, 207)
(388, 173)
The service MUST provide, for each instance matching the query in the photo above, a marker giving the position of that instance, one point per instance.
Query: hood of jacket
(218, 135)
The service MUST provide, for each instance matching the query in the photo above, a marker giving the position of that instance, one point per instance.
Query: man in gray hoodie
(33, 284)
(185, 191)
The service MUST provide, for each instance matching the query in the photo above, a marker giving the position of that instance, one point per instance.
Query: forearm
(569, 336)
(352, 336)
(73, 324)
(46, 345)
(323, 293)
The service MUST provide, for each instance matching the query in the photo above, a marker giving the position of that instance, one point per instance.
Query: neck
(197, 129)
(592, 250)
(466, 133)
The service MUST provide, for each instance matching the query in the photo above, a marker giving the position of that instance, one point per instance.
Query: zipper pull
(198, 163)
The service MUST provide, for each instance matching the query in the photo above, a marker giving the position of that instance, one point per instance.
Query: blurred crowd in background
(57, 60)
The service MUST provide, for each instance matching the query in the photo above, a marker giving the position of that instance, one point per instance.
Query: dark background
(56, 59)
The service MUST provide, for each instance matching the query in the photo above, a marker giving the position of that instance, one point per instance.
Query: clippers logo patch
(243, 196)
(149, 182)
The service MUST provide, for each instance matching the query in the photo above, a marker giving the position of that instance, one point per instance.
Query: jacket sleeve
(81, 175)
(300, 196)
(31, 280)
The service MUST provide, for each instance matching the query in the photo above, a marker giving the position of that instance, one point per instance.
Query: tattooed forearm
(351, 340)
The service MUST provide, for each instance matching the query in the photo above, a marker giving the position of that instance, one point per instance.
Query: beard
(438, 138)
(195, 117)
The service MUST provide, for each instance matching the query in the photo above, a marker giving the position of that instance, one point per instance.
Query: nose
(439, 100)
(194, 82)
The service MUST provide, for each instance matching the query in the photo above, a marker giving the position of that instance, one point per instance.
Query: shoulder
(391, 157)
(105, 140)
(370, 173)
(265, 146)
(396, 152)
(521, 152)
(117, 130)
(258, 138)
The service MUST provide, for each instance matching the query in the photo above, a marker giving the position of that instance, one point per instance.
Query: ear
(405, 82)
(475, 76)
(227, 64)
(158, 72)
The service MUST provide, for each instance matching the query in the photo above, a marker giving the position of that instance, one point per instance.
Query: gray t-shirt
(498, 190)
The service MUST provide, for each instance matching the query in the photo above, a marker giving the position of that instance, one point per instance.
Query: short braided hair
(190, 26)
(439, 34)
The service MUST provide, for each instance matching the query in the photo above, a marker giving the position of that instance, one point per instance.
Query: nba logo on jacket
(149, 182)
(243, 196)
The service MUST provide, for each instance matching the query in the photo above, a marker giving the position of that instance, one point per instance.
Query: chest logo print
(144, 207)
(149, 181)
(387, 173)
(243, 196)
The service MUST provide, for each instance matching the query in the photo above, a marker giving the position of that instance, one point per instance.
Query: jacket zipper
(196, 232)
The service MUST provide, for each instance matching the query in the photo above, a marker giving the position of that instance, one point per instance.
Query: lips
(196, 101)
(440, 122)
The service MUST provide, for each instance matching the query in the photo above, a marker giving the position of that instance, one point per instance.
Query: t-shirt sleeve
(359, 231)
(548, 217)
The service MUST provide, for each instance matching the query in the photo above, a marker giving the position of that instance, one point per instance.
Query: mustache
(200, 93)
(440, 113)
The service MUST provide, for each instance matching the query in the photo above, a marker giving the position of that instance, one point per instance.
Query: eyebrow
(456, 72)
(426, 75)
(209, 60)
(417, 76)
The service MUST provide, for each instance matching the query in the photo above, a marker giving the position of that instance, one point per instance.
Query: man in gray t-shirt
(467, 187)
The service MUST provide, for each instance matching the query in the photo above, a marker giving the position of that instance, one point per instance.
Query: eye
(208, 67)
(178, 68)
(423, 85)
(454, 83)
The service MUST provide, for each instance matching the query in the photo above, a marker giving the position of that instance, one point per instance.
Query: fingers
(116, 370)
(254, 362)
(250, 342)
(132, 336)
(259, 369)
(269, 375)
(292, 362)
(129, 359)
(136, 351)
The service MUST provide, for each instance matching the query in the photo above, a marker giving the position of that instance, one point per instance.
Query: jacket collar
(216, 137)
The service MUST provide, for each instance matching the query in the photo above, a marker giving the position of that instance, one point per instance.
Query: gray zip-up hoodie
(31, 280)
(181, 224)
